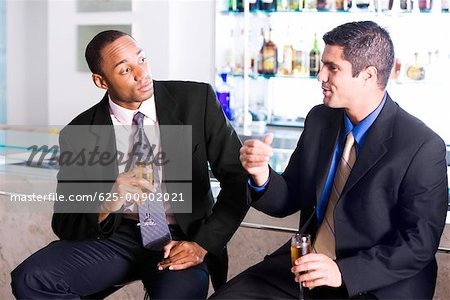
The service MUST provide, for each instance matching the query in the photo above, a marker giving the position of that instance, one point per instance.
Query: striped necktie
(325, 238)
(155, 232)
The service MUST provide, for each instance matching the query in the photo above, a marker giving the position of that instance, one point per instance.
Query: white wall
(44, 86)
(26, 62)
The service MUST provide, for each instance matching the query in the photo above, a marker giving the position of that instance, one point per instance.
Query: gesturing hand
(179, 255)
(254, 156)
(321, 270)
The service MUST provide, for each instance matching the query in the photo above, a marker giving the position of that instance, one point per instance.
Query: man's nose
(141, 72)
(322, 76)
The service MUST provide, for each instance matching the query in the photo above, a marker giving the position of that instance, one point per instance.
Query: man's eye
(143, 59)
(125, 71)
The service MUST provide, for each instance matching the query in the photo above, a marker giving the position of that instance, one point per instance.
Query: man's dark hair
(365, 44)
(96, 45)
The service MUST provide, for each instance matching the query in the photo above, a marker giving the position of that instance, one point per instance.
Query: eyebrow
(330, 64)
(125, 60)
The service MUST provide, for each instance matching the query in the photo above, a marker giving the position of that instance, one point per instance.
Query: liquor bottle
(310, 5)
(288, 59)
(223, 92)
(325, 5)
(314, 59)
(253, 5)
(296, 5)
(235, 5)
(267, 5)
(416, 71)
(385, 5)
(282, 5)
(269, 55)
(425, 5)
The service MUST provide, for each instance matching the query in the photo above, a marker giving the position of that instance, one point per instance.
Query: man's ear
(371, 73)
(99, 81)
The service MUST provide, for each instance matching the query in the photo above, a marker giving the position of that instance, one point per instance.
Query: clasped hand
(316, 270)
(179, 255)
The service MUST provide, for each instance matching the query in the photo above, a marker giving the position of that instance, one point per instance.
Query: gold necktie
(325, 239)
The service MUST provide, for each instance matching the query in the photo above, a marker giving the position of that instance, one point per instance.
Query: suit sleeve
(222, 146)
(419, 218)
(283, 195)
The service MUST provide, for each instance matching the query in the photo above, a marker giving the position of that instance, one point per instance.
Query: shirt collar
(360, 130)
(125, 116)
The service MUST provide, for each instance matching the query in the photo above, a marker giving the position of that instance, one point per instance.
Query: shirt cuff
(257, 188)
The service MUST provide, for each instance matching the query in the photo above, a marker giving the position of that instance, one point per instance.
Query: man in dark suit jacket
(100, 245)
(391, 212)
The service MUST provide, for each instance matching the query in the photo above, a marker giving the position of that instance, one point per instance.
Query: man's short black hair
(365, 44)
(96, 45)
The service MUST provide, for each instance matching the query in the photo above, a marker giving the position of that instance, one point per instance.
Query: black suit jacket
(213, 141)
(391, 214)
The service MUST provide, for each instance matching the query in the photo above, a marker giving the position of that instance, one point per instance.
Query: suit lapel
(328, 139)
(166, 106)
(105, 139)
(375, 146)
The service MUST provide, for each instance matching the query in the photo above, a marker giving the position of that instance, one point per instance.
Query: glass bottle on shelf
(385, 5)
(287, 63)
(235, 5)
(425, 5)
(267, 5)
(406, 5)
(253, 5)
(310, 5)
(269, 56)
(416, 71)
(282, 5)
(287, 60)
(314, 59)
(342, 5)
(296, 5)
(299, 67)
(223, 92)
(326, 5)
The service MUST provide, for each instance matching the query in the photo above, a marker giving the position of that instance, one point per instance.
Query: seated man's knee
(20, 281)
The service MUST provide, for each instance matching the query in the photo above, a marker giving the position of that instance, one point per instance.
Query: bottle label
(269, 63)
(314, 64)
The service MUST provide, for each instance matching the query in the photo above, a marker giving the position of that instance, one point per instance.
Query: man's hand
(254, 156)
(126, 184)
(321, 270)
(179, 255)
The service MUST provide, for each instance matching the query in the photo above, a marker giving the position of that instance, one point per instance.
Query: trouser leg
(70, 269)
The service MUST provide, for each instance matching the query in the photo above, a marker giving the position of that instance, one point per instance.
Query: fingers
(317, 270)
(268, 139)
(181, 255)
(255, 155)
(169, 247)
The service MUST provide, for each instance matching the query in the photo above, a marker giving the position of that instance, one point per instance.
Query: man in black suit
(384, 225)
(101, 243)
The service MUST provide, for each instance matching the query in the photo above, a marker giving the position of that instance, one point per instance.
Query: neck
(359, 112)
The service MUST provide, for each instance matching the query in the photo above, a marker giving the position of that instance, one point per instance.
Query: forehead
(118, 50)
(333, 53)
